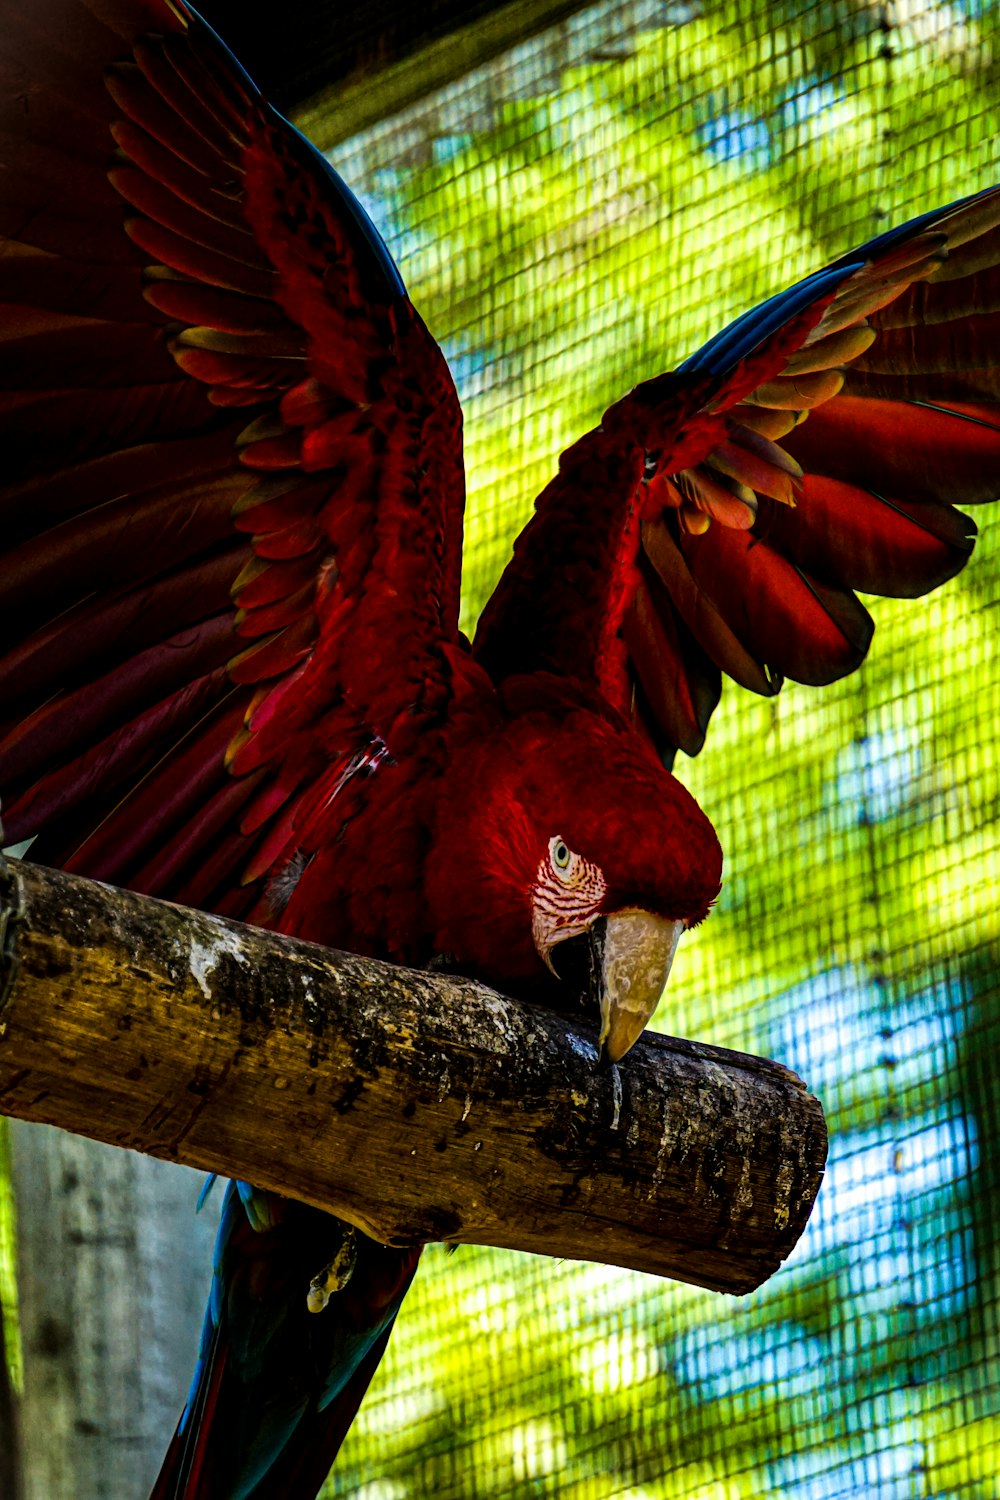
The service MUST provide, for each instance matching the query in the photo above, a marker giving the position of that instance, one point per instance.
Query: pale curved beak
(638, 950)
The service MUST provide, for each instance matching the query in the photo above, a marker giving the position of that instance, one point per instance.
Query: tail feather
(277, 1386)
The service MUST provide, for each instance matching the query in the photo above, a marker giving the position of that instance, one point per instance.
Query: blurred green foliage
(8, 1289)
(575, 219)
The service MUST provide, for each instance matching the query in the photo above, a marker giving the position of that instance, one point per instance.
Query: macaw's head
(558, 825)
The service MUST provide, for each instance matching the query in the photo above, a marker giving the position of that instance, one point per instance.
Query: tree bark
(113, 1274)
(416, 1106)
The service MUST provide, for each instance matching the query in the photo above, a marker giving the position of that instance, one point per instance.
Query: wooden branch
(416, 1106)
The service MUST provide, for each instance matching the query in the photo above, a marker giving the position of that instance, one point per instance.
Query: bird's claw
(335, 1274)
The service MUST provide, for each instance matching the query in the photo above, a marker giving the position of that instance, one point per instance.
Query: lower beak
(631, 967)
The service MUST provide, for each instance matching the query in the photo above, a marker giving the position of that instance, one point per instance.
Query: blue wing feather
(722, 353)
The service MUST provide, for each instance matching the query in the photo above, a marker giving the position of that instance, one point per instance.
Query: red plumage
(232, 673)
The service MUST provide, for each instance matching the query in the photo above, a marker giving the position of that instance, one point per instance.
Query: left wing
(232, 486)
(721, 517)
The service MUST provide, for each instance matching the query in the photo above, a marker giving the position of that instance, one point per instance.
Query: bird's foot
(335, 1274)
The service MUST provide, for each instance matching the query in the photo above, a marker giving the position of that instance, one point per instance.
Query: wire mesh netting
(576, 216)
(570, 219)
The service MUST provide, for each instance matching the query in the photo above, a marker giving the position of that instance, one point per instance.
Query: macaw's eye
(561, 855)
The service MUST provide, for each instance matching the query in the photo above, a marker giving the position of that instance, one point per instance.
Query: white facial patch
(566, 897)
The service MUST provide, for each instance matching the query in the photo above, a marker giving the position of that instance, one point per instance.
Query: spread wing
(722, 516)
(232, 483)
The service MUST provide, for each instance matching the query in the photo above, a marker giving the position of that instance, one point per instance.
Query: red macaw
(232, 673)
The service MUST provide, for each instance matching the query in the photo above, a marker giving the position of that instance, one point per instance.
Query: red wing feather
(816, 446)
(173, 252)
(798, 627)
(677, 685)
(840, 533)
(942, 453)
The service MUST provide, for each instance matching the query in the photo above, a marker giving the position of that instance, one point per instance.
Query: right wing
(722, 516)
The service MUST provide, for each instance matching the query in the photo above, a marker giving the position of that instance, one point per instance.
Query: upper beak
(634, 961)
